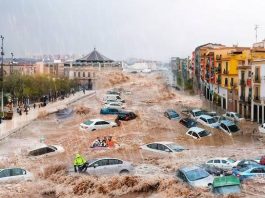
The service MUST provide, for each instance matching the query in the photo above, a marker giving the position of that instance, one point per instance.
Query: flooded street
(155, 173)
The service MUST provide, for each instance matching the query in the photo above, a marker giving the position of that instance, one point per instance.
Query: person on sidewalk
(34, 105)
(80, 164)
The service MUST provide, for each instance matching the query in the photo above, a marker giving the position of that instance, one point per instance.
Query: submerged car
(208, 121)
(15, 175)
(46, 150)
(171, 114)
(110, 110)
(64, 113)
(126, 115)
(188, 122)
(195, 113)
(223, 162)
(105, 166)
(249, 172)
(96, 124)
(163, 147)
(116, 105)
(226, 185)
(245, 163)
(213, 170)
(197, 133)
(195, 176)
(262, 128)
(233, 116)
(229, 127)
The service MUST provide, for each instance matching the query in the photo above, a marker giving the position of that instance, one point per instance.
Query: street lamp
(2, 75)
(11, 65)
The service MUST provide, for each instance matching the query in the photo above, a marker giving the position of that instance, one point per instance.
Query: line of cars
(192, 118)
(113, 104)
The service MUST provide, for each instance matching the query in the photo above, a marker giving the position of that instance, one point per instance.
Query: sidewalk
(7, 127)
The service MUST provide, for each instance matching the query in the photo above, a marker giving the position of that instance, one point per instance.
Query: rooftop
(94, 57)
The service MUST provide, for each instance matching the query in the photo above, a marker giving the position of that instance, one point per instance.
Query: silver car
(195, 176)
(15, 175)
(105, 166)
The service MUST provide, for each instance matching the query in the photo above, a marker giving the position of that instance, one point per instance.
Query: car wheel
(124, 172)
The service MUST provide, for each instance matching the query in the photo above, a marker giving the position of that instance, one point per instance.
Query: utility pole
(256, 30)
(2, 75)
(11, 65)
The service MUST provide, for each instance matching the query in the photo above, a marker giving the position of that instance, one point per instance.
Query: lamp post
(11, 65)
(2, 75)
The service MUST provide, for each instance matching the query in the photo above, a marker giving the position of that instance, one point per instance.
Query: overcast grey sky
(153, 29)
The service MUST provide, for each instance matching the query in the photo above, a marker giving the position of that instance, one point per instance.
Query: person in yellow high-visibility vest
(80, 164)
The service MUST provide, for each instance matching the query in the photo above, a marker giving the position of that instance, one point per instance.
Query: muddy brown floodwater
(154, 175)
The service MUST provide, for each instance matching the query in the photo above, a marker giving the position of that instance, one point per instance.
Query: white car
(223, 163)
(197, 133)
(195, 113)
(163, 147)
(15, 175)
(233, 116)
(96, 124)
(46, 150)
(105, 166)
(208, 121)
(262, 128)
(116, 105)
(116, 98)
(228, 127)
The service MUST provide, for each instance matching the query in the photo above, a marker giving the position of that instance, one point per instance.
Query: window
(98, 123)
(161, 147)
(224, 127)
(258, 170)
(78, 74)
(152, 146)
(114, 161)
(17, 171)
(88, 74)
(84, 74)
(232, 82)
(216, 161)
(224, 161)
(203, 119)
(74, 74)
(103, 162)
(189, 132)
(211, 161)
(104, 123)
(5, 173)
(195, 135)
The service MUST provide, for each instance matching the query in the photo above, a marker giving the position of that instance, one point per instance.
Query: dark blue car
(172, 114)
(112, 111)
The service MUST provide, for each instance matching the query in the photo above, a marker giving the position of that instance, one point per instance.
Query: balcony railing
(242, 82)
(257, 79)
(256, 98)
(225, 72)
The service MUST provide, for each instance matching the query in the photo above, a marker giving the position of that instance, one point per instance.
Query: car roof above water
(189, 168)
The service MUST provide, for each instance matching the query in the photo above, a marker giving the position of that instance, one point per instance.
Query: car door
(162, 148)
(153, 147)
(105, 124)
(5, 175)
(17, 174)
(115, 166)
(98, 125)
(101, 167)
(217, 163)
(225, 164)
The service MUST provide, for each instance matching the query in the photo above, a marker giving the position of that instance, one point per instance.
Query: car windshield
(175, 147)
(88, 122)
(173, 114)
(231, 160)
(198, 113)
(196, 174)
(227, 189)
(243, 169)
(233, 128)
(237, 115)
(203, 133)
(191, 122)
(211, 120)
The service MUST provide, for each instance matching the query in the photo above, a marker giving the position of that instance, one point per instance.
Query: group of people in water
(104, 142)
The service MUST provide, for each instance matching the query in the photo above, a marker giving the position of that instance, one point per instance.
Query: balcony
(242, 82)
(225, 72)
(256, 99)
(257, 79)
